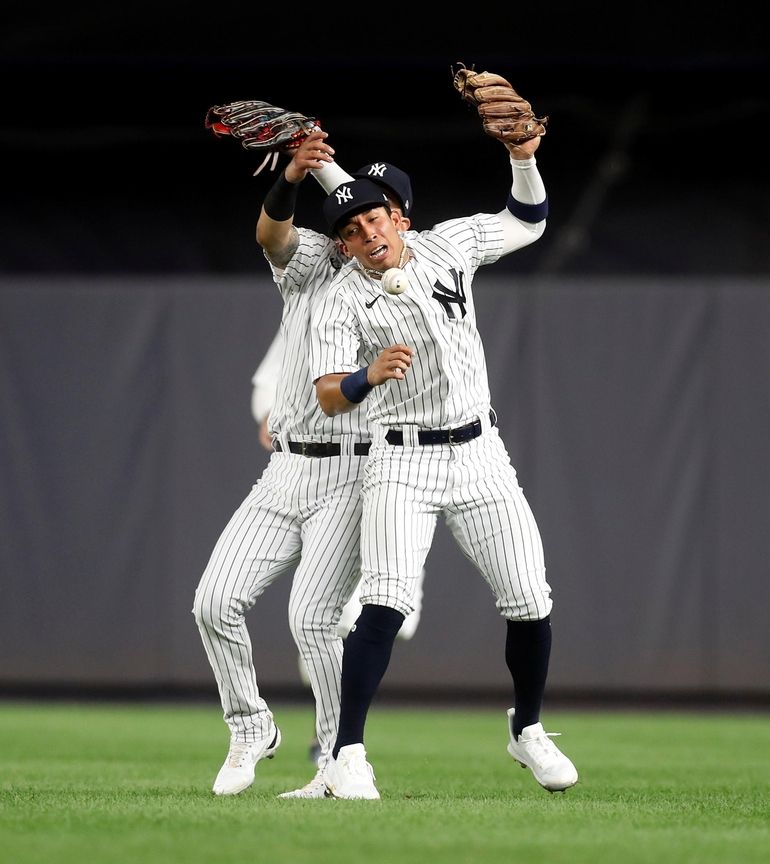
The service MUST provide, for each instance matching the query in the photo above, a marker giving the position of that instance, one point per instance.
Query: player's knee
(197, 610)
(307, 622)
(202, 610)
(213, 611)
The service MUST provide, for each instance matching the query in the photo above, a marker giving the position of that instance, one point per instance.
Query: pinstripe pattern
(475, 488)
(296, 412)
(406, 488)
(302, 514)
(447, 383)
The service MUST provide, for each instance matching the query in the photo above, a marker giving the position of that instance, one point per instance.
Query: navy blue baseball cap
(351, 198)
(393, 179)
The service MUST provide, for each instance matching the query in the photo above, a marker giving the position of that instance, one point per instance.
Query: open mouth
(378, 253)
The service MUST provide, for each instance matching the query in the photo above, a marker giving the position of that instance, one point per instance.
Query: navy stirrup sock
(364, 660)
(527, 652)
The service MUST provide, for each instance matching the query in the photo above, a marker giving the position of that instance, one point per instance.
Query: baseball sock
(527, 652)
(364, 660)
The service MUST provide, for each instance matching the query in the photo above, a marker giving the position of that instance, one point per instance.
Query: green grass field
(101, 784)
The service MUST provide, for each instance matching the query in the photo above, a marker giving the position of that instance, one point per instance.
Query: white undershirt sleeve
(527, 188)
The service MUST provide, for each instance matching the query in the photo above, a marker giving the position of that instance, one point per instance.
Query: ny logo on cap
(344, 194)
(377, 170)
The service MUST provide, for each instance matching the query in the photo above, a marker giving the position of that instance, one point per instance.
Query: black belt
(443, 436)
(322, 448)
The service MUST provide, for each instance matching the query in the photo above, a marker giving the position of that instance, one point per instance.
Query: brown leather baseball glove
(505, 114)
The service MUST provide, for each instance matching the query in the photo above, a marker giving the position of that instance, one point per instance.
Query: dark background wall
(627, 348)
(655, 157)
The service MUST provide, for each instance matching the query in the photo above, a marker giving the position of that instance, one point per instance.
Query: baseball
(394, 281)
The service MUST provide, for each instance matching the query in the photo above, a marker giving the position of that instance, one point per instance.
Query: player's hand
(311, 154)
(264, 436)
(524, 150)
(393, 362)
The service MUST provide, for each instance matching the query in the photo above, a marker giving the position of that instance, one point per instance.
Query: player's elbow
(324, 389)
(533, 231)
(329, 395)
(274, 237)
(328, 408)
(518, 233)
(265, 236)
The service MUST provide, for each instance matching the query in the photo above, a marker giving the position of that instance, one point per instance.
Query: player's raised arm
(341, 392)
(275, 227)
(508, 117)
(527, 207)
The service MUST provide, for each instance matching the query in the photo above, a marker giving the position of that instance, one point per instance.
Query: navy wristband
(528, 212)
(356, 387)
(281, 200)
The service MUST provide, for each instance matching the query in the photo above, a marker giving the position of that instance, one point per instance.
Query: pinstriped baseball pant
(475, 488)
(302, 513)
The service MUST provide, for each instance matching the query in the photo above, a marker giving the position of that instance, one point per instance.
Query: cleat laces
(543, 748)
(237, 755)
(357, 766)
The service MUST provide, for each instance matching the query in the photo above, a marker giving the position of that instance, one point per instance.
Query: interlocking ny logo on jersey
(446, 296)
(344, 194)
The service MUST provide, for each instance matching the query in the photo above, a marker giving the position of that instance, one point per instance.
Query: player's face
(372, 238)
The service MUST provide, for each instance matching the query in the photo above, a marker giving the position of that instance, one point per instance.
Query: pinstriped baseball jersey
(447, 383)
(302, 514)
(407, 486)
(296, 412)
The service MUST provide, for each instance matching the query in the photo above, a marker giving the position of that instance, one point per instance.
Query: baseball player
(303, 513)
(264, 383)
(397, 330)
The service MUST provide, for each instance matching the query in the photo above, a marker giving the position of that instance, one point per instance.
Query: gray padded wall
(636, 412)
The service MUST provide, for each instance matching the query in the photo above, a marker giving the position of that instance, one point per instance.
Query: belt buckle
(303, 448)
(449, 437)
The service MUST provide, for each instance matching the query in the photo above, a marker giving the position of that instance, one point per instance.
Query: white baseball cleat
(316, 788)
(535, 750)
(237, 771)
(350, 775)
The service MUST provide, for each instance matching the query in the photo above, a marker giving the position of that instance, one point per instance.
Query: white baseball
(394, 281)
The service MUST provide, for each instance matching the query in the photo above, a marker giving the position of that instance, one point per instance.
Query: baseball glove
(505, 115)
(261, 126)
